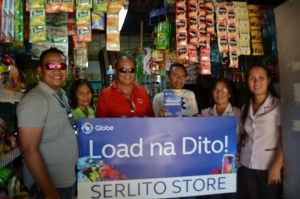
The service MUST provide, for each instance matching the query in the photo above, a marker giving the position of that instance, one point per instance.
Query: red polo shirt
(112, 103)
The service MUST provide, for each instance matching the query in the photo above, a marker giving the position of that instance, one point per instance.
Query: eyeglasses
(124, 70)
(224, 89)
(51, 66)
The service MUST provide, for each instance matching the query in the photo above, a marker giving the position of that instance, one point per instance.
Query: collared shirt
(189, 107)
(112, 103)
(39, 108)
(229, 111)
(263, 133)
(78, 114)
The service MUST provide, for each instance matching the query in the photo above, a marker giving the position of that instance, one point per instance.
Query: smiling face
(84, 96)
(127, 78)
(56, 77)
(258, 81)
(177, 77)
(221, 94)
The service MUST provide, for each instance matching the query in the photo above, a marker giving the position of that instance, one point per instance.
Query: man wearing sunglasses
(177, 77)
(124, 98)
(47, 139)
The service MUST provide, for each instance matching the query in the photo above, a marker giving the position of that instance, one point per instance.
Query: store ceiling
(138, 11)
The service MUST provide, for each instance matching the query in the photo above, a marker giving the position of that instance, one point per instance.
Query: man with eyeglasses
(177, 77)
(124, 98)
(47, 136)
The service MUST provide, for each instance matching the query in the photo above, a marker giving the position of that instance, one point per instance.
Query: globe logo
(87, 128)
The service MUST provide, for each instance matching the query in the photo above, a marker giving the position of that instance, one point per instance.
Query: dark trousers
(64, 193)
(253, 184)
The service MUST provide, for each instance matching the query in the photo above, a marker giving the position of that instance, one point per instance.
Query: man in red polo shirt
(124, 98)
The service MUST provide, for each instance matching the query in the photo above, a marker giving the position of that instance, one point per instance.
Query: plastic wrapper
(37, 17)
(37, 34)
(19, 22)
(98, 21)
(36, 4)
(67, 6)
(205, 68)
(53, 6)
(78, 44)
(114, 6)
(83, 4)
(182, 53)
(83, 17)
(113, 41)
(193, 57)
(81, 58)
(100, 6)
(84, 33)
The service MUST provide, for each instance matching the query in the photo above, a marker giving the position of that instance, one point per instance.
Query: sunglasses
(61, 66)
(124, 70)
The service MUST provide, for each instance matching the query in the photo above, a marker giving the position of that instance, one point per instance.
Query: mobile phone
(228, 163)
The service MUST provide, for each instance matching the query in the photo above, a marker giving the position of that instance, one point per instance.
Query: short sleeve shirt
(113, 104)
(263, 134)
(39, 108)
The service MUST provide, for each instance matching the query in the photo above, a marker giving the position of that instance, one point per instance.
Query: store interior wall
(288, 42)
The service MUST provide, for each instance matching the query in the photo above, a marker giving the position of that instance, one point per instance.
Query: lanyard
(68, 110)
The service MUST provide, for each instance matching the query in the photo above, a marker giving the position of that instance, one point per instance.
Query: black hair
(228, 86)
(48, 51)
(270, 89)
(122, 56)
(74, 87)
(177, 65)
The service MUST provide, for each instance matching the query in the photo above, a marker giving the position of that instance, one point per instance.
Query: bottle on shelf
(109, 77)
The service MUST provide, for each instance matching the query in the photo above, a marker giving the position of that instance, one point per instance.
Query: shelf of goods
(11, 97)
(9, 157)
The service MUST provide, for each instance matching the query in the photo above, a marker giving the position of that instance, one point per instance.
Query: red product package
(182, 53)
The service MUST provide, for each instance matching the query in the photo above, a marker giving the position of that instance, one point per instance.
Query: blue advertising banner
(156, 157)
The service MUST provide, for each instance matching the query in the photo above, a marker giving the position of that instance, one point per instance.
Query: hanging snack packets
(100, 6)
(84, 33)
(81, 58)
(67, 6)
(83, 16)
(113, 41)
(58, 34)
(19, 21)
(163, 35)
(98, 21)
(37, 17)
(37, 34)
(243, 28)
(83, 4)
(53, 6)
(59, 19)
(36, 4)
(255, 27)
(193, 57)
(114, 6)
(78, 44)
(209, 9)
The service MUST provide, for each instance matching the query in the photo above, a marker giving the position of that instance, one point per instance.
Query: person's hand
(274, 174)
(162, 112)
(198, 115)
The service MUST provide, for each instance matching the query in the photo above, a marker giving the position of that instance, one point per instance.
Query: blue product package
(172, 102)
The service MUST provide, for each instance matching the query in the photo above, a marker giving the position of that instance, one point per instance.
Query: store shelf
(8, 157)
(10, 96)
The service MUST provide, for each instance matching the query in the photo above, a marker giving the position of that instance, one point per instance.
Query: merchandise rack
(11, 97)
(9, 157)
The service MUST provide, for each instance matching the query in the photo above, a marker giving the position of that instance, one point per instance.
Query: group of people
(47, 130)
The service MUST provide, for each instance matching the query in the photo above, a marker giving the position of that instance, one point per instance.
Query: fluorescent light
(122, 16)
